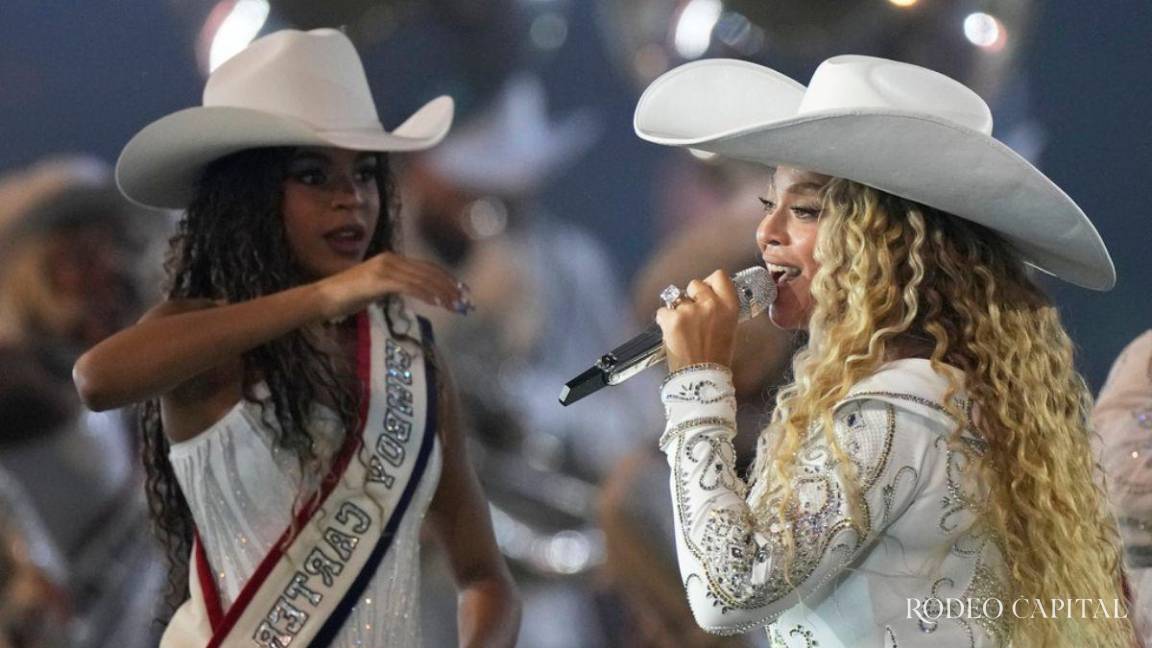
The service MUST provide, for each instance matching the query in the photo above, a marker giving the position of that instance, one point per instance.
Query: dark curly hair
(231, 246)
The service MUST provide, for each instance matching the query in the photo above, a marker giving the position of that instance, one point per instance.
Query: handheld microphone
(756, 291)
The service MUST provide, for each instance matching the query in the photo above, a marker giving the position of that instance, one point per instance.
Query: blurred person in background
(549, 299)
(547, 286)
(1123, 422)
(933, 443)
(35, 607)
(71, 253)
(299, 421)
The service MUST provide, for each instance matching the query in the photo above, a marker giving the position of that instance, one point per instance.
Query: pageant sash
(304, 589)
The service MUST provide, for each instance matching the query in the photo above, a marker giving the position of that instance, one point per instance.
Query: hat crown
(865, 82)
(313, 76)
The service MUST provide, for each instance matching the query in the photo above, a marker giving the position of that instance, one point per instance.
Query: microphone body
(756, 291)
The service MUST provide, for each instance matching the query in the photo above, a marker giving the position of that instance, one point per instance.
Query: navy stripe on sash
(336, 621)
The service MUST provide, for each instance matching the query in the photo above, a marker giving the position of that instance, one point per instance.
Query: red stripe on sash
(222, 626)
(207, 583)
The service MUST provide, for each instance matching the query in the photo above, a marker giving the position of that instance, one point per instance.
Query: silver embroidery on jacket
(734, 548)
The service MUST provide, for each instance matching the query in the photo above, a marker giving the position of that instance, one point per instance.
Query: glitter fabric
(241, 490)
(852, 573)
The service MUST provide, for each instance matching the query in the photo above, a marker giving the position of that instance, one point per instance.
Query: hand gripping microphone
(756, 290)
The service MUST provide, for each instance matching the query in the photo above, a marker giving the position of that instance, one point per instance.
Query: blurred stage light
(487, 217)
(236, 30)
(548, 31)
(694, 29)
(569, 552)
(646, 37)
(737, 32)
(984, 30)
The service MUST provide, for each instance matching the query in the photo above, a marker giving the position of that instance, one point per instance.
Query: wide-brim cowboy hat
(900, 128)
(290, 88)
(514, 147)
(62, 192)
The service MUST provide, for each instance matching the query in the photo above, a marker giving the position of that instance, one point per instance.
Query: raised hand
(702, 326)
(389, 273)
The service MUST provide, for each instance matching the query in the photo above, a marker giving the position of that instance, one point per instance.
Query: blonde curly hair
(895, 274)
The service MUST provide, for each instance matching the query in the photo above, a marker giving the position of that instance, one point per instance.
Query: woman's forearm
(160, 353)
(488, 614)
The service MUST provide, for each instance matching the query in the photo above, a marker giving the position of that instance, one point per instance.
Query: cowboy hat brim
(161, 165)
(744, 111)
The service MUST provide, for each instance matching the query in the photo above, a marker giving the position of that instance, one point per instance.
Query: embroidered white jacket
(918, 545)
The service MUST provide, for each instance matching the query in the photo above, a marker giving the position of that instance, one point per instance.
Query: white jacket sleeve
(732, 561)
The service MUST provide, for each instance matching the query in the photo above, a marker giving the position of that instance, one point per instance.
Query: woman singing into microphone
(926, 478)
(298, 420)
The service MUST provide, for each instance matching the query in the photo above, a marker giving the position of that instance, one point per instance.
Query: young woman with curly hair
(926, 478)
(298, 421)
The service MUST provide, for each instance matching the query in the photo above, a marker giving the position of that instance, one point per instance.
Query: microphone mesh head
(756, 291)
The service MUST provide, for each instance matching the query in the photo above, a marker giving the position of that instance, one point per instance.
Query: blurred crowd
(78, 566)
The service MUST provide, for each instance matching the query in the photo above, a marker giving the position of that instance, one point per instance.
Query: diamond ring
(672, 296)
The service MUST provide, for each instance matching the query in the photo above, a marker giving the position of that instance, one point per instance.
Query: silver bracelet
(700, 366)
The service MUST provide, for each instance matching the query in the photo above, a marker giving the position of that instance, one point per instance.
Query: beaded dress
(242, 488)
(864, 580)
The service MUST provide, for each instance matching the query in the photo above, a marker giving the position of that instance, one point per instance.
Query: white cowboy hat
(290, 88)
(897, 127)
(513, 147)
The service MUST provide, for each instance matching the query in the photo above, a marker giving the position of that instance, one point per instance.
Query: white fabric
(846, 590)
(242, 489)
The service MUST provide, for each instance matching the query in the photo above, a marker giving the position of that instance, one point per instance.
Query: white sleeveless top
(241, 489)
